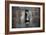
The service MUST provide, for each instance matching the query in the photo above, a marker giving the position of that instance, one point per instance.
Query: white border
(25, 29)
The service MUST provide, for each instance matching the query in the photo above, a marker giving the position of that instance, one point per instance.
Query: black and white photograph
(25, 17)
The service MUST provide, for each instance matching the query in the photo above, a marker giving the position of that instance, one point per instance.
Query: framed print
(24, 17)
